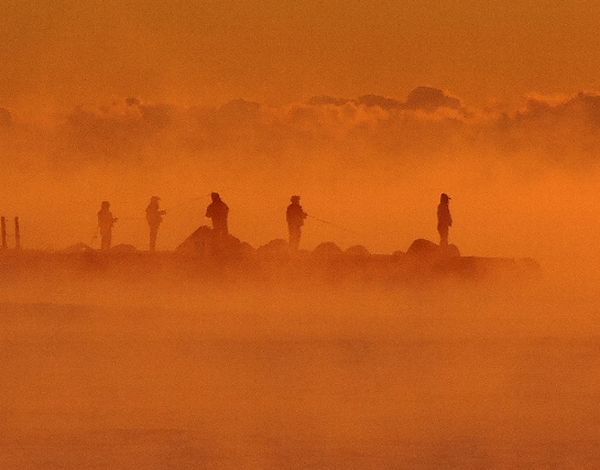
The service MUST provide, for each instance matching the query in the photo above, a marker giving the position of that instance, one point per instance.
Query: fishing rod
(186, 202)
(334, 225)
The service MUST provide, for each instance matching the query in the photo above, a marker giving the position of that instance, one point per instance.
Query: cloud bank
(428, 123)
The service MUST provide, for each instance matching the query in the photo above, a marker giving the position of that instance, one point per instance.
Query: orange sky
(61, 53)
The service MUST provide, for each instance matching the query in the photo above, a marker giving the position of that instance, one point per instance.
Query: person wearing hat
(105, 225)
(295, 216)
(218, 212)
(444, 219)
(154, 216)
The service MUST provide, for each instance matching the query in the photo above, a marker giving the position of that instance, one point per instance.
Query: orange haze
(368, 110)
(62, 53)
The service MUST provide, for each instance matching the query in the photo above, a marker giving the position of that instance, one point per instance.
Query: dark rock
(423, 248)
(275, 249)
(205, 242)
(357, 251)
(246, 250)
(198, 243)
(428, 250)
(327, 250)
(452, 251)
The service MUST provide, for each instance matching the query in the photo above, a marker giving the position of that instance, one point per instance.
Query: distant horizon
(439, 97)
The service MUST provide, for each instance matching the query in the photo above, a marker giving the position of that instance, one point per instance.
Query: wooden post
(3, 228)
(17, 234)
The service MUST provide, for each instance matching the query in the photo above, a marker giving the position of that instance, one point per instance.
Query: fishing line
(333, 224)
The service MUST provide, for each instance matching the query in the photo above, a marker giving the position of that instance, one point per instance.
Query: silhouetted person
(295, 216)
(218, 211)
(154, 216)
(444, 219)
(105, 224)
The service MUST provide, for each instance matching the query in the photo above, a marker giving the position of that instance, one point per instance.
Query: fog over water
(184, 373)
(216, 367)
(262, 359)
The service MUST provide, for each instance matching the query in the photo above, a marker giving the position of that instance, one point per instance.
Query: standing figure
(154, 216)
(295, 216)
(105, 225)
(218, 211)
(444, 219)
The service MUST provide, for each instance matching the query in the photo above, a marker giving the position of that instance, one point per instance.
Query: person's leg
(105, 238)
(294, 237)
(153, 235)
(443, 236)
(298, 235)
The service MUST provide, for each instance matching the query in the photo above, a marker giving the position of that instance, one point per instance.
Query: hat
(155, 198)
(295, 198)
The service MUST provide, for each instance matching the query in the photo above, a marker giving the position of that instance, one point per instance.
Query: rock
(452, 251)
(246, 250)
(357, 251)
(205, 242)
(275, 249)
(425, 249)
(198, 243)
(327, 250)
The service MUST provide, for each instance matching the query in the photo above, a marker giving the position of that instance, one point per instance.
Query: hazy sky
(57, 55)
(61, 53)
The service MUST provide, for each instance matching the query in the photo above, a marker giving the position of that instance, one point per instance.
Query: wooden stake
(17, 234)
(3, 228)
